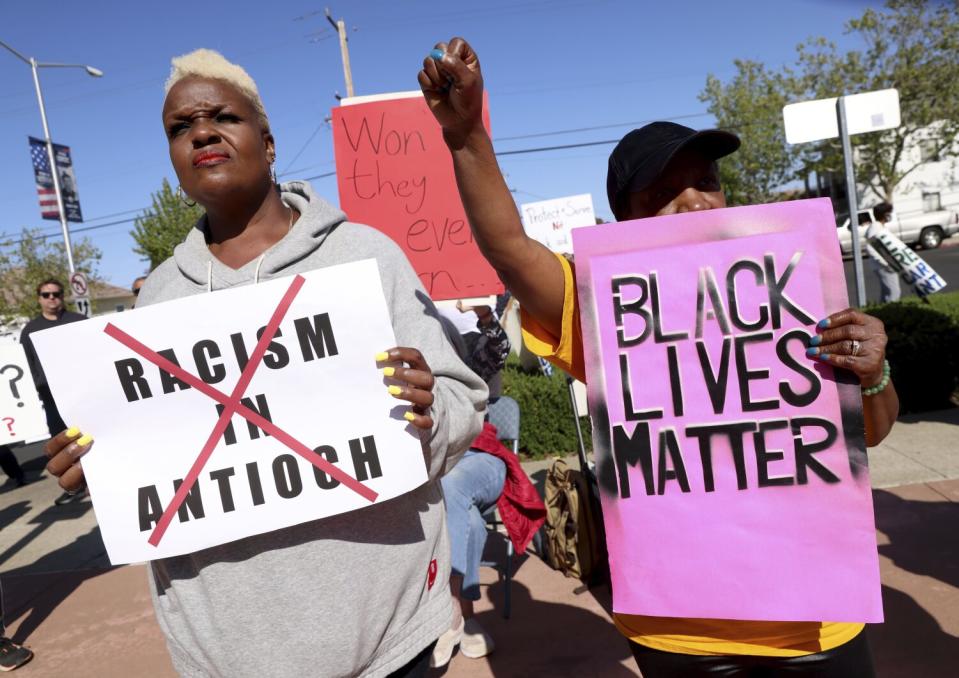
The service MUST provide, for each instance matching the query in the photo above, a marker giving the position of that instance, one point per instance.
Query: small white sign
(315, 393)
(551, 221)
(866, 112)
(21, 413)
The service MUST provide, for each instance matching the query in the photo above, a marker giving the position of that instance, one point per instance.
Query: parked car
(925, 229)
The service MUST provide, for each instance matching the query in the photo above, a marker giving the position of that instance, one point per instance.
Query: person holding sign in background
(660, 169)
(359, 593)
(889, 288)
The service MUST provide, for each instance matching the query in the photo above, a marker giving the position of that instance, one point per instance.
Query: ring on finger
(855, 348)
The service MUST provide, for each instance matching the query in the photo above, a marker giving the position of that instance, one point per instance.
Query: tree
(751, 105)
(27, 262)
(912, 45)
(163, 226)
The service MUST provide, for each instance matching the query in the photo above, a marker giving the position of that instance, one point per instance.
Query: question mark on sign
(13, 382)
(9, 421)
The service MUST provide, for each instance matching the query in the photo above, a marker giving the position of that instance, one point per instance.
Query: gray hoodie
(356, 594)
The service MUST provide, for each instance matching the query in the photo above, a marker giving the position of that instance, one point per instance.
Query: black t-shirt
(35, 325)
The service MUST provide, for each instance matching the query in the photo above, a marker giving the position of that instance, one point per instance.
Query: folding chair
(504, 415)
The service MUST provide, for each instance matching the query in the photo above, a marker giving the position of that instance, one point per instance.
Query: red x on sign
(232, 405)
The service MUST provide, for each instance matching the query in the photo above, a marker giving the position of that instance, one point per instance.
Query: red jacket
(520, 506)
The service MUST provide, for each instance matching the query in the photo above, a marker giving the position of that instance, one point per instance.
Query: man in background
(889, 288)
(52, 314)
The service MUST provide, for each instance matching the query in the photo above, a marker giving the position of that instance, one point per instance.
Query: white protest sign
(550, 221)
(313, 392)
(910, 266)
(21, 413)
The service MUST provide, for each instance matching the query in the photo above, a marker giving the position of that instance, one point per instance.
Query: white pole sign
(21, 413)
(224, 415)
(550, 221)
(866, 112)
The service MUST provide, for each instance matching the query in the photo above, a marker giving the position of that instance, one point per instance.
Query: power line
(574, 130)
(303, 147)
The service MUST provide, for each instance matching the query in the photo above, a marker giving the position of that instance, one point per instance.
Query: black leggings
(417, 666)
(849, 660)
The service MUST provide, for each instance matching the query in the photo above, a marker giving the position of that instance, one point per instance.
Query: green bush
(923, 350)
(546, 416)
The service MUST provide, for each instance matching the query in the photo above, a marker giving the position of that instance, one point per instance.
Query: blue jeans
(470, 489)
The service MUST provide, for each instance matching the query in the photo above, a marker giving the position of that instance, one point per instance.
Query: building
(931, 185)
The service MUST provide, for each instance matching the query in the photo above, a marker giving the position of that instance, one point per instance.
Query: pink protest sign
(732, 467)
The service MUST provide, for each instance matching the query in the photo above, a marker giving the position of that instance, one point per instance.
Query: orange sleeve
(565, 351)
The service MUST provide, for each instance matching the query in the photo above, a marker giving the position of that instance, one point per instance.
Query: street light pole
(34, 67)
(53, 168)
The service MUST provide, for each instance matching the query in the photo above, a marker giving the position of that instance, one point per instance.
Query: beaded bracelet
(883, 383)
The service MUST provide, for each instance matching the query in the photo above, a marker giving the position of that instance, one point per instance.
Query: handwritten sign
(551, 221)
(395, 173)
(732, 467)
(21, 413)
(230, 414)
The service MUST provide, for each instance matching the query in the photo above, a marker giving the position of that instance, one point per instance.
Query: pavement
(83, 617)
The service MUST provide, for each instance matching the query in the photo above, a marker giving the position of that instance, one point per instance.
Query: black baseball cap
(643, 154)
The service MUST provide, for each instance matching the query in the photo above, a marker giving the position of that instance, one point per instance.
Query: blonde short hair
(207, 63)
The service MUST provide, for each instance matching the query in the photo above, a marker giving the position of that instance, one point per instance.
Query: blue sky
(548, 65)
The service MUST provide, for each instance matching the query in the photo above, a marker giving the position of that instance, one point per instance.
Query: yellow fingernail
(84, 440)
(409, 416)
(394, 390)
(381, 356)
(72, 432)
(389, 371)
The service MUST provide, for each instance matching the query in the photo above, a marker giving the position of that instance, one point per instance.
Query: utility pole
(340, 27)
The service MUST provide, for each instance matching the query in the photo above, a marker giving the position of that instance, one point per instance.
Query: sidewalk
(84, 618)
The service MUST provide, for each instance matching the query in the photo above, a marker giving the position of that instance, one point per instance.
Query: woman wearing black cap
(660, 169)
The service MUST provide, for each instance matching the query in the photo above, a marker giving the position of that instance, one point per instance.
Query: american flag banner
(45, 190)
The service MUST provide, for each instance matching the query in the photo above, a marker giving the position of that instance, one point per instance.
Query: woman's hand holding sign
(64, 451)
(415, 383)
(856, 341)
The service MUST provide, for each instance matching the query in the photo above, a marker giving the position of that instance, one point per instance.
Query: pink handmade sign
(732, 467)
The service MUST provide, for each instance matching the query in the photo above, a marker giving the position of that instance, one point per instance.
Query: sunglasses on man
(52, 295)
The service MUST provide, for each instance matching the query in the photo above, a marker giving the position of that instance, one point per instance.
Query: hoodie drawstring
(209, 272)
(256, 271)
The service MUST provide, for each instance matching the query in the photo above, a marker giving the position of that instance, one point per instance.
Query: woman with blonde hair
(361, 593)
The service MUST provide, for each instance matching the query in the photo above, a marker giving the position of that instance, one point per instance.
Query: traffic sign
(866, 112)
(83, 305)
(78, 283)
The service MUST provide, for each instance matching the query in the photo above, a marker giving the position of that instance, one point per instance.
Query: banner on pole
(394, 172)
(21, 411)
(732, 468)
(46, 191)
(225, 415)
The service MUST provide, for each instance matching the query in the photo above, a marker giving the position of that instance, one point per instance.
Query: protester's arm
(834, 344)
(453, 88)
(458, 394)
(32, 361)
